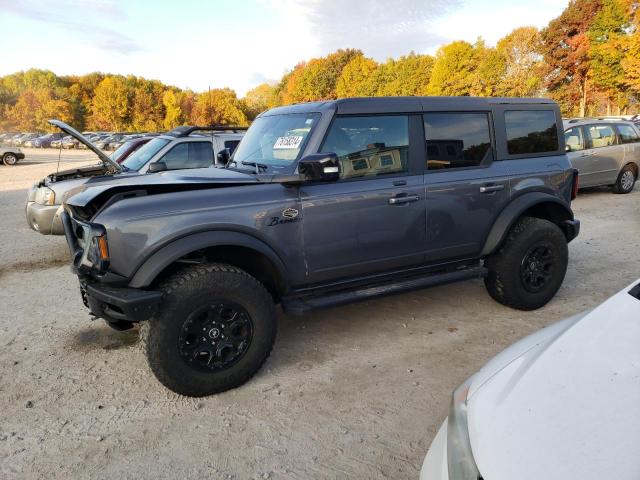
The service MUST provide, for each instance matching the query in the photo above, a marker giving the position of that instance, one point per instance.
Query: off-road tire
(9, 159)
(505, 281)
(185, 292)
(626, 180)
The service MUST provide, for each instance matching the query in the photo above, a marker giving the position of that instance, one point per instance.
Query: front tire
(626, 180)
(214, 330)
(528, 269)
(9, 159)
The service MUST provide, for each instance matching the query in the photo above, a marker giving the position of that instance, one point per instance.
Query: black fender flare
(180, 247)
(515, 209)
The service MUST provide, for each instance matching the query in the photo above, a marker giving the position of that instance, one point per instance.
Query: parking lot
(351, 392)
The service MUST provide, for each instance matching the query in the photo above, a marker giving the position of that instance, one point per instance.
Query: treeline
(587, 59)
(100, 101)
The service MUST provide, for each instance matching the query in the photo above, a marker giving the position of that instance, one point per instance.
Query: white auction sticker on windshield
(288, 143)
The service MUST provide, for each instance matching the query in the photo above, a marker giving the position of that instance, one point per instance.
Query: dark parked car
(21, 140)
(44, 141)
(320, 205)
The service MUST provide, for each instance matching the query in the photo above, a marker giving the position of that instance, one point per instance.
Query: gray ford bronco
(323, 204)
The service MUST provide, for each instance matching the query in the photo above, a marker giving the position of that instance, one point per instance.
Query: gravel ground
(351, 392)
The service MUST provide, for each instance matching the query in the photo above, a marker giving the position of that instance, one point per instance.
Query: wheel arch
(235, 248)
(534, 204)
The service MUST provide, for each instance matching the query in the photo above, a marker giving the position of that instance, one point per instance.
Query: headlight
(98, 252)
(45, 196)
(462, 465)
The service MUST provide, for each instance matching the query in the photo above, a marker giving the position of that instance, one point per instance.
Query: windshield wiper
(256, 165)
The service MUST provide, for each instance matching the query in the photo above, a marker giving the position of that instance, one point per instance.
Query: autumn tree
(407, 76)
(110, 105)
(608, 36)
(453, 70)
(523, 74)
(567, 54)
(173, 112)
(34, 107)
(259, 99)
(317, 79)
(358, 78)
(219, 106)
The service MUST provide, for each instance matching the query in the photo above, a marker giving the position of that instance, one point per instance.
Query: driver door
(373, 219)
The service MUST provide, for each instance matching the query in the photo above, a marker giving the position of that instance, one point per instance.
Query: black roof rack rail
(187, 130)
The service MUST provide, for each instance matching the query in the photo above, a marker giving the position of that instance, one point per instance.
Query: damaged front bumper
(120, 306)
(102, 291)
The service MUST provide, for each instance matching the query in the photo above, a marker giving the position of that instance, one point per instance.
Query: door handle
(403, 200)
(491, 188)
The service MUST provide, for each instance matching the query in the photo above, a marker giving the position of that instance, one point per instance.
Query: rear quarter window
(531, 131)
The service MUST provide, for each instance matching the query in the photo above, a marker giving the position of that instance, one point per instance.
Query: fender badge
(290, 213)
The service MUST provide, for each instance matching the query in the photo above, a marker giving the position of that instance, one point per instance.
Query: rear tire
(626, 180)
(214, 330)
(528, 269)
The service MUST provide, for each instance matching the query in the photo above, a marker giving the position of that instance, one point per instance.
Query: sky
(242, 43)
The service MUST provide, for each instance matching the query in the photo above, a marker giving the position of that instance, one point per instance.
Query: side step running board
(300, 305)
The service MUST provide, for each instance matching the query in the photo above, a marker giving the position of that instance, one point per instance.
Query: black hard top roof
(405, 104)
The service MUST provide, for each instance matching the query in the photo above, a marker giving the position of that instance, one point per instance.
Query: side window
(601, 136)
(531, 131)
(177, 157)
(627, 133)
(457, 140)
(200, 155)
(189, 155)
(369, 146)
(574, 139)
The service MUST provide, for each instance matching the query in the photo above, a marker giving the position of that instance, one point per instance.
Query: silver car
(182, 148)
(605, 152)
(10, 155)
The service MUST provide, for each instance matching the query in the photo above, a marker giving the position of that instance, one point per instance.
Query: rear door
(464, 189)
(604, 155)
(580, 156)
(629, 138)
(373, 218)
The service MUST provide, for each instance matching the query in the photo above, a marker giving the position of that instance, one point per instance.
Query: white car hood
(568, 406)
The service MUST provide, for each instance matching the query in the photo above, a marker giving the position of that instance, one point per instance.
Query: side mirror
(223, 156)
(157, 167)
(319, 167)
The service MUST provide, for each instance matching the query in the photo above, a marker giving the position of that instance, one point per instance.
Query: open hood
(112, 166)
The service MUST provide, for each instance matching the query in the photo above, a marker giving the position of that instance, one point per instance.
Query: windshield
(140, 157)
(274, 142)
(121, 150)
